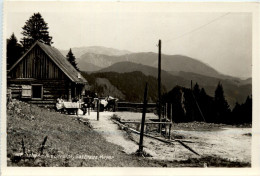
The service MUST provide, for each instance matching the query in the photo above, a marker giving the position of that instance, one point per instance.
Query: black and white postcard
(130, 88)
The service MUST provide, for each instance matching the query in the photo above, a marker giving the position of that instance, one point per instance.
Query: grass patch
(214, 161)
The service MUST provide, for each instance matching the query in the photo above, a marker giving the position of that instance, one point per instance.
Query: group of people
(88, 103)
(85, 105)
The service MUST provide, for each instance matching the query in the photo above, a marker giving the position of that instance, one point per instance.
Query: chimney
(79, 75)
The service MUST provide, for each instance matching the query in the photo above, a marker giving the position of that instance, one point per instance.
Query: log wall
(52, 89)
(37, 68)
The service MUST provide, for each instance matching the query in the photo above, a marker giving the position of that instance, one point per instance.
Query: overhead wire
(197, 28)
(187, 33)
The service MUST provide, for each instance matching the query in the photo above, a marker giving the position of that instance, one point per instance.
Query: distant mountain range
(79, 51)
(172, 63)
(95, 58)
(176, 70)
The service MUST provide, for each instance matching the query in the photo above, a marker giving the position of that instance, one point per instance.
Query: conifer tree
(14, 51)
(35, 29)
(196, 90)
(221, 105)
(248, 110)
(237, 113)
(71, 58)
(206, 105)
(242, 113)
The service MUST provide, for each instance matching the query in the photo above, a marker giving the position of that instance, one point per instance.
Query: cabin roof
(59, 60)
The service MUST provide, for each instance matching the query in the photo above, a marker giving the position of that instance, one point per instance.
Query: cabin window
(26, 91)
(37, 92)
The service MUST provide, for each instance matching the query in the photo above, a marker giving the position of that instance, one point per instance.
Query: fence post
(170, 128)
(166, 118)
(98, 106)
(166, 110)
(140, 151)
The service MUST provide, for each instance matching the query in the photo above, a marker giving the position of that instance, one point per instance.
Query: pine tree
(237, 116)
(242, 113)
(71, 58)
(203, 93)
(206, 105)
(35, 29)
(196, 90)
(248, 110)
(14, 51)
(221, 105)
(195, 102)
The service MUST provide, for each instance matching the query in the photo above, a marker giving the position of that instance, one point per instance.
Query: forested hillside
(236, 90)
(131, 85)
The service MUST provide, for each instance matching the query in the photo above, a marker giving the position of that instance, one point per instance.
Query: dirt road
(227, 143)
(111, 131)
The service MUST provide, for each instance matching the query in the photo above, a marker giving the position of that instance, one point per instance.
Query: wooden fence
(134, 107)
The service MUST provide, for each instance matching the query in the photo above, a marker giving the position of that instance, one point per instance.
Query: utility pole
(159, 85)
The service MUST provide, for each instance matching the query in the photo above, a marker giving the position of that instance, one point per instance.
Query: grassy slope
(66, 137)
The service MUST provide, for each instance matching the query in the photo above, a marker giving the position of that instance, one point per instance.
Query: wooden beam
(136, 122)
(162, 140)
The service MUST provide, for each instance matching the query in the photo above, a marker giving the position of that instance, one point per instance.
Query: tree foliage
(242, 113)
(221, 105)
(35, 29)
(14, 51)
(130, 84)
(71, 58)
(214, 109)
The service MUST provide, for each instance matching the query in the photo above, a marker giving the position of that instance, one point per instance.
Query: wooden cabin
(42, 75)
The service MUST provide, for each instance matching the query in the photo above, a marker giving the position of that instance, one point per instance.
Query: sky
(220, 37)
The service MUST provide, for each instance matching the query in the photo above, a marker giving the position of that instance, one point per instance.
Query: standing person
(75, 99)
(88, 104)
(84, 106)
(59, 104)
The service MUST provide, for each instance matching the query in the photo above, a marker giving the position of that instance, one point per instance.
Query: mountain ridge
(108, 55)
(169, 62)
(79, 51)
(182, 62)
